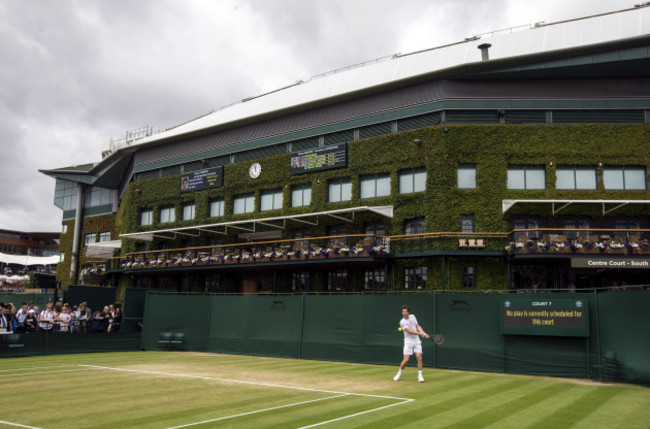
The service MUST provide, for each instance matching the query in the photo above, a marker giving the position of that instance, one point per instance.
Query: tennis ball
(399, 329)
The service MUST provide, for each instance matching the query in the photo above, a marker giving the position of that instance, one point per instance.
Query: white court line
(255, 412)
(16, 424)
(225, 380)
(45, 372)
(357, 414)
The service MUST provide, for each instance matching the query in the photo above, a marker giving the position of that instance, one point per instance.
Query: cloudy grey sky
(74, 73)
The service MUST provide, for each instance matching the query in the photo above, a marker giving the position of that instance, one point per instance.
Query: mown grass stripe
(581, 407)
(497, 413)
(422, 410)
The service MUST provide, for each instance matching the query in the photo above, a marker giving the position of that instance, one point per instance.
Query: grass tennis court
(202, 390)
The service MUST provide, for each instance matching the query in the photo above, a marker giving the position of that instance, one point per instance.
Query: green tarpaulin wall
(363, 328)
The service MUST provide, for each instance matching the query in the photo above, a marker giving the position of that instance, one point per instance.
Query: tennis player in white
(412, 344)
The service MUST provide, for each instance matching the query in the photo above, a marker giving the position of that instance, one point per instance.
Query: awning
(250, 225)
(557, 205)
(103, 249)
(26, 260)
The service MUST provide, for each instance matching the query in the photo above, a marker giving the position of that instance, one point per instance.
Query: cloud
(78, 72)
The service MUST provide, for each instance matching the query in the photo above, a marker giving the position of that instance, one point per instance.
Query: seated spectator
(46, 318)
(31, 322)
(19, 319)
(106, 319)
(95, 323)
(82, 317)
(64, 319)
(5, 325)
(114, 325)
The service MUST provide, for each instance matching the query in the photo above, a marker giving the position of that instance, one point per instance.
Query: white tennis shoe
(397, 377)
(421, 379)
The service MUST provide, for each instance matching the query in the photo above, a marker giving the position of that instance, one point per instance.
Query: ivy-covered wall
(94, 224)
(492, 148)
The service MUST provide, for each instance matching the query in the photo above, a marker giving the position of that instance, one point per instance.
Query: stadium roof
(541, 38)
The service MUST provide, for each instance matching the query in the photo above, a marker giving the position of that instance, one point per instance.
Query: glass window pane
(296, 198)
(306, 196)
(266, 201)
(419, 181)
(250, 204)
(383, 185)
(334, 192)
(467, 177)
(635, 178)
(368, 188)
(346, 190)
(516, 178)
(238, 205)
(613, 178)
(585, 178)
(535, 178)
(565, 178)
(216, 208)
(406, 183)
(188, 212)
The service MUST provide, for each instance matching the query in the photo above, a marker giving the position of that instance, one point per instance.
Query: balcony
(547, 241)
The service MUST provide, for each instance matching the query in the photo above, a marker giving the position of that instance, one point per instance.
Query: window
(302, 244)
(467, 223)
(376, 185)
(90, 238)
(336, 280)
(569, 177)
(146, 217)
(526, 223)
(628, 178)
(216, 208)
(415, 278)
(301, 195)
(573, 223)
(374, 228)
(334, 230)
(374, 279)
(65, 194)
(167, 214)
(340, 190)
(104, 236)
(212, 281)
(64, 229)
(526, 177)
(244, 203)
(300, 281)
(414, 180)
(271, 199)
(95, 196)
(467, 176)
(414, 226)
(188, 211)
(467, 277)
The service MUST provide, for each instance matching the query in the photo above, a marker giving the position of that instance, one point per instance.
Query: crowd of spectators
(59, 317)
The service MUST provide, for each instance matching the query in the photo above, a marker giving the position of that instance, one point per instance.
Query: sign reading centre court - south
(321, 158)
(553, 317)
(619, 263)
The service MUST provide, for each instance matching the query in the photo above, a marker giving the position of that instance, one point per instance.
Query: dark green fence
(363, 328)
(56, 343)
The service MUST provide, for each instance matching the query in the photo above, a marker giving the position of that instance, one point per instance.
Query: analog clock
(255, 170)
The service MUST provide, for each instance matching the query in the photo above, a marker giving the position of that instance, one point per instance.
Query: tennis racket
(437, 339)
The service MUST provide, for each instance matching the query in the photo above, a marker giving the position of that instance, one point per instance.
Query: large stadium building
(515, 160)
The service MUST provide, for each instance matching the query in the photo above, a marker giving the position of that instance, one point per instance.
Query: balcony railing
(519, 241)
(302, 249)
(574, 240)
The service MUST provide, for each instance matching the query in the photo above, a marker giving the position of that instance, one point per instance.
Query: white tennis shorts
(412, 347)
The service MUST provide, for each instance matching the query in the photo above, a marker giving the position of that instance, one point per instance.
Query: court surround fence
(363, 328)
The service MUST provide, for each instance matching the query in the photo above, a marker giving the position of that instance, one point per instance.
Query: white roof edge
(148, 235)
(508, 204)
(592, 30)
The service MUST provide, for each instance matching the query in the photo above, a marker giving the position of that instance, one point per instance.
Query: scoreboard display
(201, 179)
(320, 158)
(553, 317)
